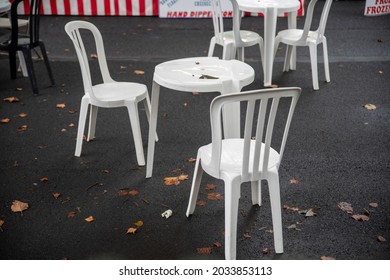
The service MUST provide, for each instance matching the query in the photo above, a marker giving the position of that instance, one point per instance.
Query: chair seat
(119, 91)
(232, 156)
(248, 38)
(291, 36)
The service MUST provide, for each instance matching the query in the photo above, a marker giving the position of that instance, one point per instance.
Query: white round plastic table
(199, 74)
(271, 9)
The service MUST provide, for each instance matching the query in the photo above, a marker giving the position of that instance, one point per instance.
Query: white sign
(377, 7)
(191, 8)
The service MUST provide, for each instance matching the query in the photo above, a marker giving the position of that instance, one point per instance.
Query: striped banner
(96, 7)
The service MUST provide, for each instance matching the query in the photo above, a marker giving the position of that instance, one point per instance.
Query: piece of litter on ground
(167, 214)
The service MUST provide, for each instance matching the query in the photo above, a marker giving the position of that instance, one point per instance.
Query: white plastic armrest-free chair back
(248, 159)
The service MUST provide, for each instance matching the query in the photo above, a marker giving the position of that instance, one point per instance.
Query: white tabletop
(5, 6)
(257, 6)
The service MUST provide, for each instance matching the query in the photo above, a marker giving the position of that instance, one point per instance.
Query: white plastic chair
(247, 159)
(235, 40)
(306, 37)
(108, 94)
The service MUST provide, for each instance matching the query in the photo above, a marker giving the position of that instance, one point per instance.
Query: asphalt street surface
(337, 151)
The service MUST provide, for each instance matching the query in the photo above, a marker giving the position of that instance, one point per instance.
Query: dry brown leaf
(327, 258)
(131, 230)
(369, 106)
(72, 111)
(191, 159)
(133, 192)
(60, 105)
(139, 72)
(22, 128)
(71, 125)
(19, 206)
(204, 250)
(183, 177)
(287, 207)
(71, 214)
(89, 219)
(201, 203)
(56, 195)
(11, 99)
(294, 181)
(359, 217)
(93, 55)
(123, 192)
(373, 205)
(139, 223)
(215, 196)
(265, 250)
(22, 115)
(5, 120)
(345, 206)
(210, 187)
(217, 244)
(380, 238)
(44, 179)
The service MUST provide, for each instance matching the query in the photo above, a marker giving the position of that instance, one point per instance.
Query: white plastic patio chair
(109, 94)
(235, 40)
(247, 159)
(306, 37)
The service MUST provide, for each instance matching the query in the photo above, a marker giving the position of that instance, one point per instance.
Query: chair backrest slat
(255, 151)
(217, 16)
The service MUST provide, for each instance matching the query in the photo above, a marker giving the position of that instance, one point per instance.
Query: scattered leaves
(380, 238)
(1, 224)
(370, 106)
(139, 223)
(139, 72)
(294, 226)
(265, 250)
(19, 206)
(345, 206)
(22, 115)
(131, 230)
(327, 258)
(89, 219)
(72, 111)
(22, 128)
(210, 187)
(359, 217)
(94, 55)
(71, 214)
(11, 99)
(204, 250)
(175, 180)
(291, 208)
(201, 203)
(126, 191)
(56, 195)
(310, 212)
(191, 159)
(373, 204)
(44, 179)
(60, 105)
(215, 196)
(5, 120)
(294, 181)
(217, 244)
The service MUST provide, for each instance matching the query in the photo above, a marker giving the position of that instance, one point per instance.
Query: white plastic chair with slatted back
(109, 94)
(247, 159)
(306, 37)
(234, 40)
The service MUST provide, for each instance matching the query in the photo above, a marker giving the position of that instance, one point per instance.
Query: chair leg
(30, 69)
(326, 59)
(313, 59)
(198, 172)
(92, 122)
(241, 54)
(211, 47)
(12, 64)
(256, 192)
(287, 59)
(147, 106)
(261, 47)
(276, 210)
(80, 130)
(232, 196)
(46, 59)
(135, 127)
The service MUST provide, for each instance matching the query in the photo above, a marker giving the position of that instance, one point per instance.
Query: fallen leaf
(369, 106)
(287, 207)
(131, 230)
(5, 120)
(171, 181)
(214, 196)
(133, 192)
(71, 125)
(72, 111)
(56, 195)
(373, 204)
(294, 181)
(11, 99)
(182, 177)
(201, 203)
(93, 55)
(89, 219)
(204, 250)
(22, 128)
(139, 223)
(359, 217)
(60, 105)
(380, 238)
(265, 250)
(1, 224)
(345, 206)
(311, 212)
(246, 235)
(18, 206)
(210, 187)
(71, 214)
(22, 115)
(44, 179)
(217, 244)
(139, 72)
(274, 86)
(191, 159)
(294, 226)
(327, 258)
